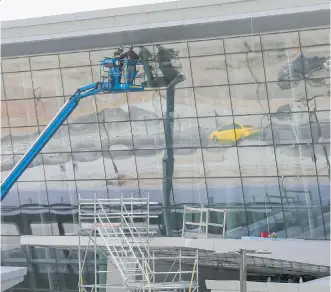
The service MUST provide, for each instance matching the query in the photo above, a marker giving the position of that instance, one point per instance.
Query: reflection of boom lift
(108, 83)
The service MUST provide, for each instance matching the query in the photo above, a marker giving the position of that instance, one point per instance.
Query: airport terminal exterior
(236, 115)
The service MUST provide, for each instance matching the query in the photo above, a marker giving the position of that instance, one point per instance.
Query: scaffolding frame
(119, 228)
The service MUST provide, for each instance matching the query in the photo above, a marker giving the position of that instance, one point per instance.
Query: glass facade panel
(240, 123)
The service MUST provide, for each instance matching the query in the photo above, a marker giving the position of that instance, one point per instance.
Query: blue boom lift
(109, 83)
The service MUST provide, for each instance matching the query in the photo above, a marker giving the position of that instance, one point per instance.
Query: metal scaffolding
(120, 230)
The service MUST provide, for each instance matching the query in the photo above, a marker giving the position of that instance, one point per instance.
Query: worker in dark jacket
(120, 55)
(132, 59)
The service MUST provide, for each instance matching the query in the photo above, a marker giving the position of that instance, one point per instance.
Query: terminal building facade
(235, 115)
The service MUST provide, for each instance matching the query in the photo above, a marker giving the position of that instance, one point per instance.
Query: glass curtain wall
(240, 123)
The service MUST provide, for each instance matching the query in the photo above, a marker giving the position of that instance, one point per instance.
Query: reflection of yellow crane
(233, 132)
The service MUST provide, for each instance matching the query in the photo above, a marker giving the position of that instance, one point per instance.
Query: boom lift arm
(109, 83)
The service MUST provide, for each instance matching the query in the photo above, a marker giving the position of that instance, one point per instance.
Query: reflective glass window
(147, 134)
(318, 94)
(86, 112)
(171, 51)
(35, 171)
(315, 37)
(99, 55)
(295, 160)
(44, 62)
(145, 105)
(123, 187)
(4, 114)
(22, 112)
(249, 99)
(220, 162)
(322, 158)
(217, 132)
(119, 164)
(188, 163)
(32, 193)
(87, 189)
(47, 83)
(302, 208)
(116, 136)
(61, 194)
(15, 65)
(112, 107)
(280, 40)
(291, 128)
(185, 133)
(190, 191)
(253, 130)
(60, 142)
(245, 68)
(320, 126)
(6, 145)
(58, 166)
(257, 161)
(209, 70)
(74, 59)
(151, 188)
(150, 163)
(74, 78)
(88, 165)
(23, 138)
(213, 101)
(7, 164)
(242, 44)
(47, 108)
(184, 103)
(316, 61)
(204, 48)
(18, 85)
(3, 95)
(84, 137)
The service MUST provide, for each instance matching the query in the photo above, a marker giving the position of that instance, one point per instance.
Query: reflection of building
(158, 142)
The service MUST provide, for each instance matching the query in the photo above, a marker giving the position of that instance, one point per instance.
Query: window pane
(253, 130)
(44, 62)
(217, 132)
(171, 51)
(282, 66)
(6, 147)
(147, 134)
(47, 108)
(32, 193)
(18, 85)
(315, 37)
(318, 94)
(35, 171)
(221, 162)
(74, 78)
(287, 100)
(15, 65)
(227, 193)
(150, 163)
(116, 136)
(242, 44)
(245, 68)
(123, 187)
(324, 188)
(322, 158)
(280, 41)
(59, 142)
(183, 101)
(85, 137)
(87, 189)
(62, 193)
(86, 112)
(320, 126)
(204, 48)
(249, 99)
(145, 105)
(213, 101)
(7, 164)
(99, 55)
(58, 166)
(145, 52)
(173, 72)
(315, 61)
(47, 83)
(302, 209)
(22, 113)
(151, 188)
(188, 163)
(88, 165)
(295, 160)
(264, 206)
(3, 95)
(112, 107)
(75, 59)
(10, 203)
(190, 191)
(23, 138)
(4, 114)
(257, 161)
(291, 128)
(209, 70)
(186, 133)
(120, 164)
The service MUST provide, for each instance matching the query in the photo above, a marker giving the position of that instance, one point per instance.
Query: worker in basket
(132, 59)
